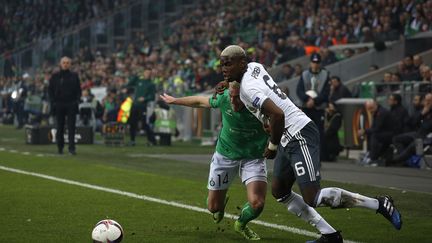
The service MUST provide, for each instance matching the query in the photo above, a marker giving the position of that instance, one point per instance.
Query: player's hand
(167, 98)
(220, 88)
(141, 99)
(270, 154)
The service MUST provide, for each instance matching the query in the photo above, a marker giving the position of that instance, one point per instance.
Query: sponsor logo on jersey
(229, 112)
(255, 102)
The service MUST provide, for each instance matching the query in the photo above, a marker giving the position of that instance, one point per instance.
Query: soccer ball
(107, 230)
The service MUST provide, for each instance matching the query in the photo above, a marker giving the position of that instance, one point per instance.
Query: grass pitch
(35, 209)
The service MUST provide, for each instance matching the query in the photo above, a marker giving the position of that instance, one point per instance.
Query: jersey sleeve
(256, 96)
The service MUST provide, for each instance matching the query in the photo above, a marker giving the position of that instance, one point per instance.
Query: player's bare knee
(213, 207)
(257, 204)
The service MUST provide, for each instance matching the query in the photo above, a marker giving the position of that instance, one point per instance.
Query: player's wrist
(272, 146)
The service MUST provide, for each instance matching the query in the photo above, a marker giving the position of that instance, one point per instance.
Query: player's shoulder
(219, 96)
(254, 71)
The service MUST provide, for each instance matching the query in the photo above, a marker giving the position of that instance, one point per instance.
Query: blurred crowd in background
(186, 60)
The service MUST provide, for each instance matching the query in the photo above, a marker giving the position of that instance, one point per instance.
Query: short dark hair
(337, 78)
(397, 97)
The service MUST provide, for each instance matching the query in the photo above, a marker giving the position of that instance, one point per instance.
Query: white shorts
(224, 170)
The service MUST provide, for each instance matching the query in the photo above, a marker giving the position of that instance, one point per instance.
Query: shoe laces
(249, 233)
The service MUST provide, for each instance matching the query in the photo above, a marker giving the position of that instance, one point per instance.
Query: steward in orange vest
(125, 108)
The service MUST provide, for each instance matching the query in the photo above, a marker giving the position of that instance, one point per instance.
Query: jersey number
(299, 168)
(274, 88)
(224, 181)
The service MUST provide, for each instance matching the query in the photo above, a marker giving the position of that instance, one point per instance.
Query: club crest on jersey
(255, 102)
(256, 71)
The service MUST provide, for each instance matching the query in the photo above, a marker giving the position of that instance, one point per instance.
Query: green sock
(248, 213)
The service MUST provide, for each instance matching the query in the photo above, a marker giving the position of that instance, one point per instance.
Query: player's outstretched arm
(191, 101)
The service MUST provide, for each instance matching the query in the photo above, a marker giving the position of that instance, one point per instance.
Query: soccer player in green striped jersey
(239, 150)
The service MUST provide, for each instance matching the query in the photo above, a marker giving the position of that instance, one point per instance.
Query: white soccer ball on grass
(107, 230)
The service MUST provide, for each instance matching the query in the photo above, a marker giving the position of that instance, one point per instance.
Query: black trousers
(138, 115)
(317, 116)
(63, 110)
(405, 145)
(19, 111)
(378, 143)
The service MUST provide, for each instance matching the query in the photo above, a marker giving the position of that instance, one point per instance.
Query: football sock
(296, 205)
(340, 198)
(248, 213)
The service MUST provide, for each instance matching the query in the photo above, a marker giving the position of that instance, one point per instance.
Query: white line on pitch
(161, 201)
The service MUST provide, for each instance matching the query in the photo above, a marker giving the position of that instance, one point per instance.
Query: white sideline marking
(161, 201)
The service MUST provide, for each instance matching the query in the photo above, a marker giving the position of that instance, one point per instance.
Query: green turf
(39, 210)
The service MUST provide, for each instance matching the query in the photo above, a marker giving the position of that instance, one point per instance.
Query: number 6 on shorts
(299, 168)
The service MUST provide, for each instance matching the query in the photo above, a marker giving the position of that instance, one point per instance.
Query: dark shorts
(300, 158)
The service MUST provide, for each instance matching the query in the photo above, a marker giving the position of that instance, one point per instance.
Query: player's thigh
(252, 170)
(222, 172)
(305, 155)
(282, 171)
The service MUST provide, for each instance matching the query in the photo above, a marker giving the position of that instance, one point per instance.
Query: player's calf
(218, 214)
(339, 198)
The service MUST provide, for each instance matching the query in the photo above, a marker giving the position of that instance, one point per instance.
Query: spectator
(298, 69)
(398, 112)
(414, 119)
(285, 73)
(348, 53)
(328, 57)
(426, 78)
(332, 124)
(313, 89)
(405, 143)
(87, 108)
(338, 90)
(110, 106)
(417, 61)
(411, 72)
(373, 67)
(19, 95)
(379, 135)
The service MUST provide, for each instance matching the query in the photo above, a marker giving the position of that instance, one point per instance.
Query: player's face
(236, 103)
(231, 68)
